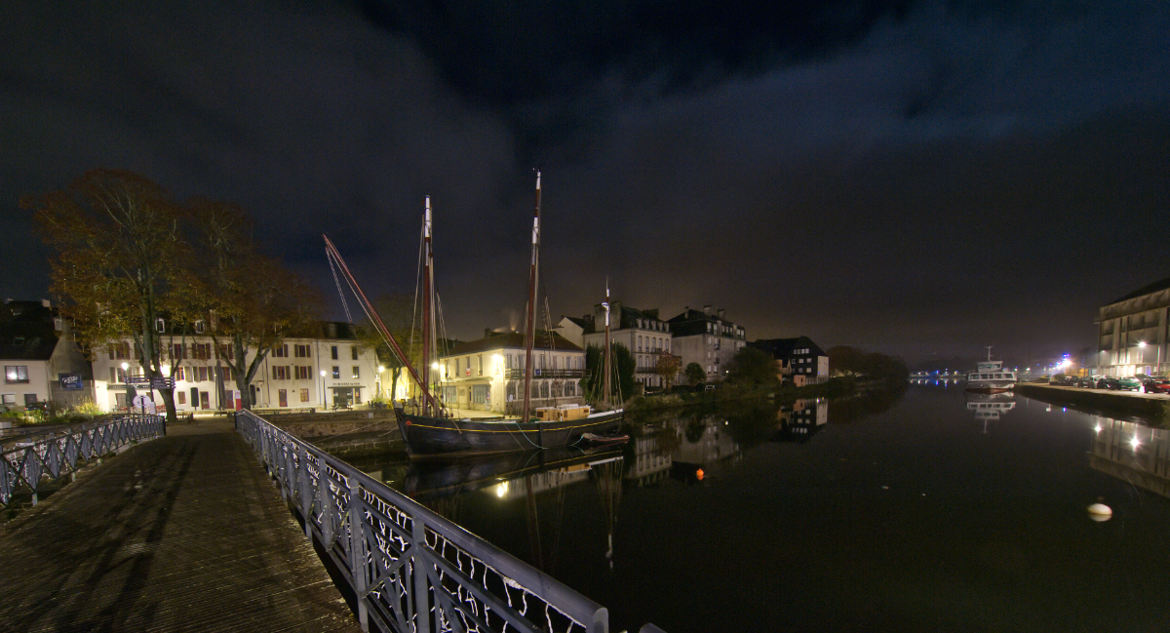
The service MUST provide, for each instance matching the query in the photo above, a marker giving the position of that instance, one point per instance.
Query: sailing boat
(430, 430)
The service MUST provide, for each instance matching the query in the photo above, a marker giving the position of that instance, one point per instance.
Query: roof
(1145, 290)
(514, 340)
(783, 347)
(26, 331)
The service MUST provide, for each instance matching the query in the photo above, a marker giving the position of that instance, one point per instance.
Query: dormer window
(199, 326)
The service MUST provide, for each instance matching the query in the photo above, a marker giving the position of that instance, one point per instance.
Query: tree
(397, 313)
(117, 249)
(623, 372)
(845, 360)
(695, 374)
(250, 302)
(666, 366)
(753, 368)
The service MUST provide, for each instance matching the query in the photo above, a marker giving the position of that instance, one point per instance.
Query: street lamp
(126, 378)
(323, 390)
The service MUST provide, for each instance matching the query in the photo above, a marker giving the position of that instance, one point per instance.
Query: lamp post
(323, 407)
(126, 379)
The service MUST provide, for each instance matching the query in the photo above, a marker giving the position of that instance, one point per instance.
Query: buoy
(1100, 512)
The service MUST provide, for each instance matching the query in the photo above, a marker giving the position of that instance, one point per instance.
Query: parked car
(1063, 380)
(1088, 382)
(1156, 384)
(1108, 382)
(1129, 383)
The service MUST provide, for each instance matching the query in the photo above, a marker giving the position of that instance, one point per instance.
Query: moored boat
(990, 376)
(428, 427)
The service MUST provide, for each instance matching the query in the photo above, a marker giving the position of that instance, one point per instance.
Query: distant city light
(1135, 442)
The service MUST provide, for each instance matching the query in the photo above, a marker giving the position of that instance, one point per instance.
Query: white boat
(990, 377)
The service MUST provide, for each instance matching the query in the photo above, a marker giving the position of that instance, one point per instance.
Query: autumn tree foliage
(667, 365)
(248, 301)
(130, 260)
(119, 249)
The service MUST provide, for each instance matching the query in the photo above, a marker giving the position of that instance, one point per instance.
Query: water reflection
(1132, 452)
(799, 421)
(989, 407)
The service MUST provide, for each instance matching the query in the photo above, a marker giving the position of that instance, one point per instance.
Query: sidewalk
(182, 533)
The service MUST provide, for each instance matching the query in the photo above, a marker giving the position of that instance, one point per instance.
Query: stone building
(1131, 332)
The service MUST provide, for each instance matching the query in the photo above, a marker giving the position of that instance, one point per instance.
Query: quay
(182, 533)
(1151, 405)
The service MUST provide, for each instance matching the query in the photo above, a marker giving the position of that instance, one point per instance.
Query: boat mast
(530, 317)
(605, 363)
(428, 336)
(332, 252)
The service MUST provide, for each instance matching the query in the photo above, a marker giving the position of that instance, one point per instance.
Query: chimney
(707, 309)
(720, 312)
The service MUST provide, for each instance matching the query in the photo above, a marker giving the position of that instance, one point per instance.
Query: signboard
(70, 382)
(143, 403)
(162, 383)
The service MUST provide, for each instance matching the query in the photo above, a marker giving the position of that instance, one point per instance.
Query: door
(204, 400)
(282, 395)
(195, 397)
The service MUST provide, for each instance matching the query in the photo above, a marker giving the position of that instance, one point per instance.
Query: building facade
(798, 360)
(42, 364)
(325, 369)
(707, 338)
(640, 331)
(488, 374)
(1131, 332)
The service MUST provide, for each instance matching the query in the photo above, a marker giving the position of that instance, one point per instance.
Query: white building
(1131, 335)
(706, 338)
(326, 371)
(41, 362)
(488, 374)
(640, 331)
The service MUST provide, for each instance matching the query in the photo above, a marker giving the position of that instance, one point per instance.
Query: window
(280, 351)
(199, 326)
(353, 351)
(280, 372)
(9, 398)
(160, 326)
(304, 395)
(202, 374)
(304, 372)
(336, 371)
(15, 374)
(301, 351)
(30, 399)
(225, 350)
(179, 373)
(480, 359)
(333, 352)
(356, 372)
(182, 395)
(119, 350)
(201, 351)
(177, 351)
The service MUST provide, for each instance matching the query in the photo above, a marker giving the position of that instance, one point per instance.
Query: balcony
(516, 374)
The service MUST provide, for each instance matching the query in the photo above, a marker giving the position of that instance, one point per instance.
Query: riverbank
(1153, 408)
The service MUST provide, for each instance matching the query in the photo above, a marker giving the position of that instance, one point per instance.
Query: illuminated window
(15, 374)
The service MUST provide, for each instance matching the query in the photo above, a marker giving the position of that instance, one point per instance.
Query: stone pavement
(182, 533)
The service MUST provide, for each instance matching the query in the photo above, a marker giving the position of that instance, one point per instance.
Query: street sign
(70, 382)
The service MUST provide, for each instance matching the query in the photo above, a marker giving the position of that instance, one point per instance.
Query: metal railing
(410, 569)
(32, 460)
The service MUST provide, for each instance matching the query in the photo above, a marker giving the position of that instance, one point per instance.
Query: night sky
(919, 178)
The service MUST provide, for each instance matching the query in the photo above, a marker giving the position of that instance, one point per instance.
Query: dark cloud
(922, 179)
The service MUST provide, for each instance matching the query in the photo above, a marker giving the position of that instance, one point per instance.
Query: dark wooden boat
(427, 427)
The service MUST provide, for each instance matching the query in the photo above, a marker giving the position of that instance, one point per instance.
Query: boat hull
(428, 436)
(990, 388)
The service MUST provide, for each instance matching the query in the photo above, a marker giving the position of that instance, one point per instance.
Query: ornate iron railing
(28, 462)
(412, 570)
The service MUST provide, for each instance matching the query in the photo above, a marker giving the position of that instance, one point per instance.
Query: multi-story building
(640, 331)
(488, 374)
(707, 338)
(321, 369)
(798, 360)
(41, 361)
(1131, 332)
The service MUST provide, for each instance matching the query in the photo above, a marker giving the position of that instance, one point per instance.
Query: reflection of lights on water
(699, 474)
(1100, 512)
(502, 489)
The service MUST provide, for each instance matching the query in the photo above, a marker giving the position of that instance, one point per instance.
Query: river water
(932, 511)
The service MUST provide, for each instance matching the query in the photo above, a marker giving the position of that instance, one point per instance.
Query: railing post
(357, 550)
(418, 564)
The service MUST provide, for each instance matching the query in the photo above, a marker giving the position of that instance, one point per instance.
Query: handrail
(29, 462)
(411, 569)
